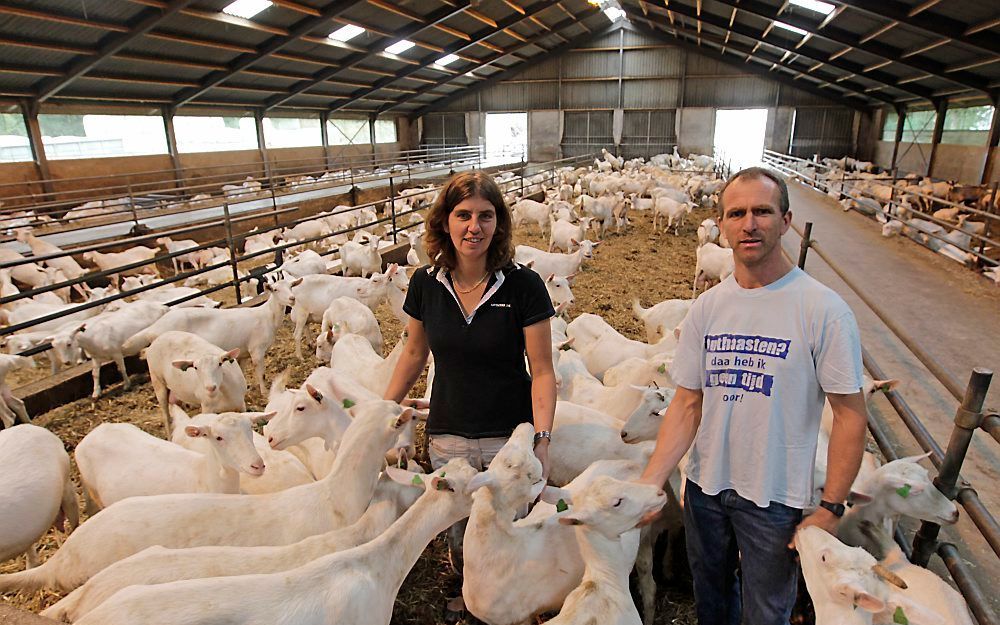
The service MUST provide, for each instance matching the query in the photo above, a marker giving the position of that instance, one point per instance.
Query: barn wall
(626, 71)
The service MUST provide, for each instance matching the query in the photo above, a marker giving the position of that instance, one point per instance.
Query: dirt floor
(639, 263)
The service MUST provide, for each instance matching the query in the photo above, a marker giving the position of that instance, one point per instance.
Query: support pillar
(900, 120)
(992, 141)
(175, 159)
(29, 111)
(371, 137)
(941, 108)
(324, 119)
(258, 120)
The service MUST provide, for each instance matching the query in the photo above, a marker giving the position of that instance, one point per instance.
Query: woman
(479, 313)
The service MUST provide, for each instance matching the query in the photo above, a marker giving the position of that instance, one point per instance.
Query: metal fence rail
(969, 417)
(898, 202)
(519, 179)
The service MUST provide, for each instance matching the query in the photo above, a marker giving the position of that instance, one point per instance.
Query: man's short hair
(756, 173)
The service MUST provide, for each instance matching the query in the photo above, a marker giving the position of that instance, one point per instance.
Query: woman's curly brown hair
(460, 187)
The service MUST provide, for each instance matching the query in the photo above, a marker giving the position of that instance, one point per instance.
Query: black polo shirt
(481, 386)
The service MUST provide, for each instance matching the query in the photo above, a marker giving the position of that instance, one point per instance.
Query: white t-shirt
(764, 359)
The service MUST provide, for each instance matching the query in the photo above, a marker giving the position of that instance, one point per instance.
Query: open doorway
(507, 136)
(739, 136)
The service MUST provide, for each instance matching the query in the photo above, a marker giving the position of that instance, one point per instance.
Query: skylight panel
(814, 5)
(346, 32)
(400, 46)
(614, 13)
(445, 60)
(246, 8)
(794, 29)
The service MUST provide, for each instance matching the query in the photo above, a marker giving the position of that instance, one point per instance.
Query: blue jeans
(726, 533)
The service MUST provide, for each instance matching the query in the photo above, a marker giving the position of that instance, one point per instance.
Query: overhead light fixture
(400, 46)
(614, 13)
(814, 5)
(445, 60)
(346, 32)
(246, 8)
(794, 29)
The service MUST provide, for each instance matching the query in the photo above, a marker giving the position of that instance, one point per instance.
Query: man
(756, 355)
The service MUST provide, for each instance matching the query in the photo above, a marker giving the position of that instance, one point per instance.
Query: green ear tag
(899, 617)
(416, 481)
(903, 491)
(348, 404)
(561, 506)
(443, 474)
(662, 368)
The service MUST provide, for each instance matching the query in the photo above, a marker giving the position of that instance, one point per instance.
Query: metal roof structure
(869, 52)
(185, 53)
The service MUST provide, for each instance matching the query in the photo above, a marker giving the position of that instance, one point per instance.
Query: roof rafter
(516, 69)
(143, 23)
(533, 41)
(936, 25)
(486, 33)
(767, 57)
(297, 31)
(804, 51)
(845, 38)
(375, 47)
(685, 41)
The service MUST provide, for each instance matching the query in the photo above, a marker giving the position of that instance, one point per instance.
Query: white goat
(605, 510)
(36, 491)
(347, 315)
(361, 260)
(11, 407)
(190, 520)
(661, 318)
(118, 460)
(545, 263)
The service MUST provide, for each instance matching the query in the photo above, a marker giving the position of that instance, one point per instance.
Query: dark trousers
(744, 572)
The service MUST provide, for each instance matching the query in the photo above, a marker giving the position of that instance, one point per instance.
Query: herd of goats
(318, 517)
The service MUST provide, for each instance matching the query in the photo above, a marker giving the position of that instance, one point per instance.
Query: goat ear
(194, 431)
(440, 483)
(404, 417)
(858, 498)
(554, 494)
(314, 393)
(296, 282)
(404, 477)
(916, 458)
(886, 385)
(551, 277)
(183, 365)
(570, 520)
(480, 480)
(231, 355)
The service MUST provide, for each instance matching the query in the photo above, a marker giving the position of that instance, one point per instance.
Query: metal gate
(827, 131)
(585, 132)
(647, 133)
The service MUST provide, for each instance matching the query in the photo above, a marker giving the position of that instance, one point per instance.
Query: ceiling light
(246, 8)
(814, 5)
(614, 13)
(400, 46)
(346, 32)
(794, 29)
(445, 60)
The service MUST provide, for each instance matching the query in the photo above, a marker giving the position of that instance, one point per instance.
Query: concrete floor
(951, 312)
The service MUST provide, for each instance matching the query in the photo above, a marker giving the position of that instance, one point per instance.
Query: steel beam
(432, 18)
(766, 57)
(274, 44)
(993, 139)
(109, 45)
(554, 53)
(846, 38)
(482, 35)
(844, 65)
(533, 61)
(936, 25)
(29, 112)
(690, 43)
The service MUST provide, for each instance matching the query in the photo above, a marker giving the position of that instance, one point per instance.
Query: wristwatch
(542, 434)
(836, 508)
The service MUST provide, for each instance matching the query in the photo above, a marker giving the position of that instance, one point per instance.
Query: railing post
(131, 203)
(392, 208)
(804, 246)
(522, 177)
(232, 253)
(967, 421)
(274, 206)
(989, 222)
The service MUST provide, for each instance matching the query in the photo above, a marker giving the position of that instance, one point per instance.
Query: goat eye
(617, 503)
(218, 438)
